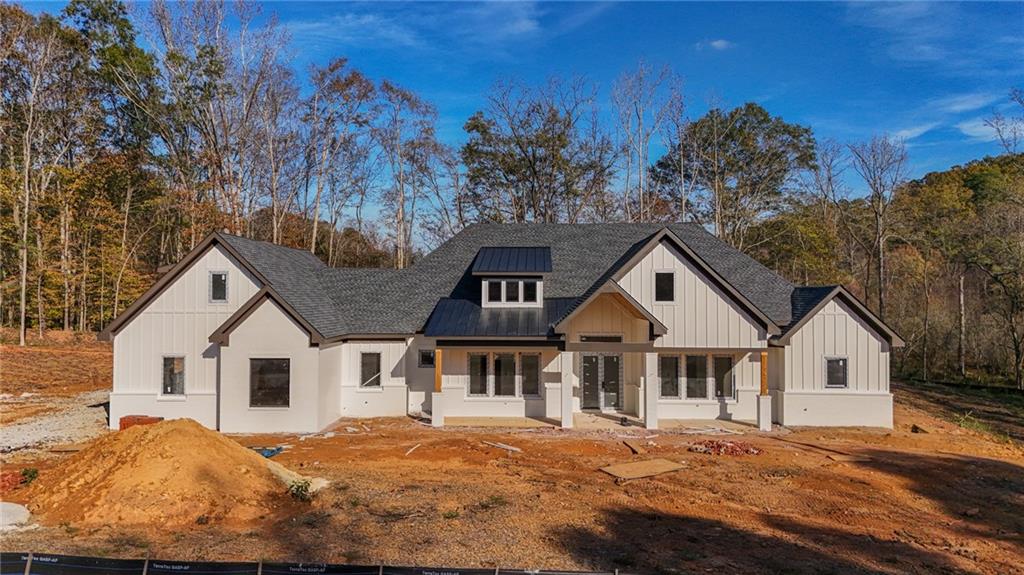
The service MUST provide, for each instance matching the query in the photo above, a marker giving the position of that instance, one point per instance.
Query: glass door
(611, 379)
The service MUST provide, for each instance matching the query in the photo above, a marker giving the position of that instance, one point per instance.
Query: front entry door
(600, 382)
(591, 382)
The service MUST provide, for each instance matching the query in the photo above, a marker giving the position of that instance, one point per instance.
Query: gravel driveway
(68, 420)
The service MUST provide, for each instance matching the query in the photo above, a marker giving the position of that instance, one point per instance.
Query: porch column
(437, 398)
(764, 401)
(566, 358)
(651, 390)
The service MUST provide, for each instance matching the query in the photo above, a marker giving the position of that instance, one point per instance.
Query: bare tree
(644, 99)
(882, 164)
(1009, 129)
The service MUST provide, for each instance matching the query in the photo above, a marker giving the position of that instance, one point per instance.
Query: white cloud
(976, 129)
(717, 44)
(914, 131)
(960, 103)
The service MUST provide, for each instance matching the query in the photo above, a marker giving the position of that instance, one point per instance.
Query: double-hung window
(504, 374)
(173, 376)
(369, 369)
(724, 376)
(478, 368)
(696, 377)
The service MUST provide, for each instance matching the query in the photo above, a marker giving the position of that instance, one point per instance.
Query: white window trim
(248, 386)
(161, 396)
(209, 286)
(824, 372)
(469, 375)
(380, 373)
(708, 381)
(654, 287)
(486, 300)
(419, 358)
(517, 358)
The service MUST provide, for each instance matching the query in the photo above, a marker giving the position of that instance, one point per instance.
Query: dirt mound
(171, 473)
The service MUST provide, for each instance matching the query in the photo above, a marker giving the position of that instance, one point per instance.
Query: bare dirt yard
(941, 493)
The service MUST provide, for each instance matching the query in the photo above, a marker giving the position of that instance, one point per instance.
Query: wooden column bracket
(438, 360)
(764, 373)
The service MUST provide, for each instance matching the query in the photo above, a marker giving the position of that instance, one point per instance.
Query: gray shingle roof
(345, 301)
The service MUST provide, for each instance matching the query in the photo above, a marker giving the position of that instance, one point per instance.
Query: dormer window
(512, 292)
(512, 276)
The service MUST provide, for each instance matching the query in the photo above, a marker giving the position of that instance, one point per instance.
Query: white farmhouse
(651, 321)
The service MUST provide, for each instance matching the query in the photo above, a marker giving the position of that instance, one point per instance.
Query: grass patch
(449, 515)
(967, 420)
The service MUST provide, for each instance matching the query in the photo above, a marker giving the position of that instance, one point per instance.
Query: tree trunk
(961, 353)
(927, 318)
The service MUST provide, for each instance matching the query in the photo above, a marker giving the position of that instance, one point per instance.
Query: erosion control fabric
(36, 564)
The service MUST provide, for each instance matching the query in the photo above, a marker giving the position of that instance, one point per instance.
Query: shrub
(299, 489)
(29, 474)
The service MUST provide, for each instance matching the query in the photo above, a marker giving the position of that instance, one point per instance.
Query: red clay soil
(169, 475)
(814, 501)
(54, 369)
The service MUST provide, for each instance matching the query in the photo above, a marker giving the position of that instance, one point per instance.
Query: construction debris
(414, 448)
(915, 428)
(722, 447)
(502, 446)
(641, 469)
(635, 447)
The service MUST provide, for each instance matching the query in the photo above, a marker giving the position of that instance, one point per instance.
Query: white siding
(270, 333)
(419, 380)
(455, 385)
(836, 331)
(178, 322)
(702, 316)
(391, 398)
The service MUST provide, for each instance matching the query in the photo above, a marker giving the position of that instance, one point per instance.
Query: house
(654, 321)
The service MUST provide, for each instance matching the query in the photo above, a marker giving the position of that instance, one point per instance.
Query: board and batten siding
(391, 398)
(702, 315)
(178, 322)
(836, 331)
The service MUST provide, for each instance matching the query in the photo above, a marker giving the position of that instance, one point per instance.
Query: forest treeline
(126, 137)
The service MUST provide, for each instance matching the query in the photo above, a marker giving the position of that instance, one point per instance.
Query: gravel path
(70, 420)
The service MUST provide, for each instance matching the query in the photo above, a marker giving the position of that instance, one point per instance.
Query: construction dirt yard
(941, 493)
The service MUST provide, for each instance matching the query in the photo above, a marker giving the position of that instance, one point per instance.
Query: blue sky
(927, 72)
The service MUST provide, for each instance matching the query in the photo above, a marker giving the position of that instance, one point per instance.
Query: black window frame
(658, 276)
(527, 285)
(539, 374)
(368, 382)
(486, 375)
(846, 372)
(491, 286)
(662, 377)
(432, 362)
(731, 373)
(164, 374)
(704, 380)
(252, 373)
(212, 275)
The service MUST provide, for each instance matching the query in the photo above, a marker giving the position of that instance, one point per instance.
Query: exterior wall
(606, 316)
(747, 379)
(420, 380)
(702, 316)
(391, 398)
(178, 322)
(455, 387)
(801, 395)
(330, 385)
(270, 333)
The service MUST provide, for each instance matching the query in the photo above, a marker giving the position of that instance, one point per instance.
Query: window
(369, 369)
(530, 291)
(724, 378)
(835, 372)
(426, 358)
(269, 382)
(511, 291)
(668, 374)
(664, 287)
(531, 373)
(696, 377)
(505, 374)
(478, 374)
(494, 291)
(174, 376)
(218, 287)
